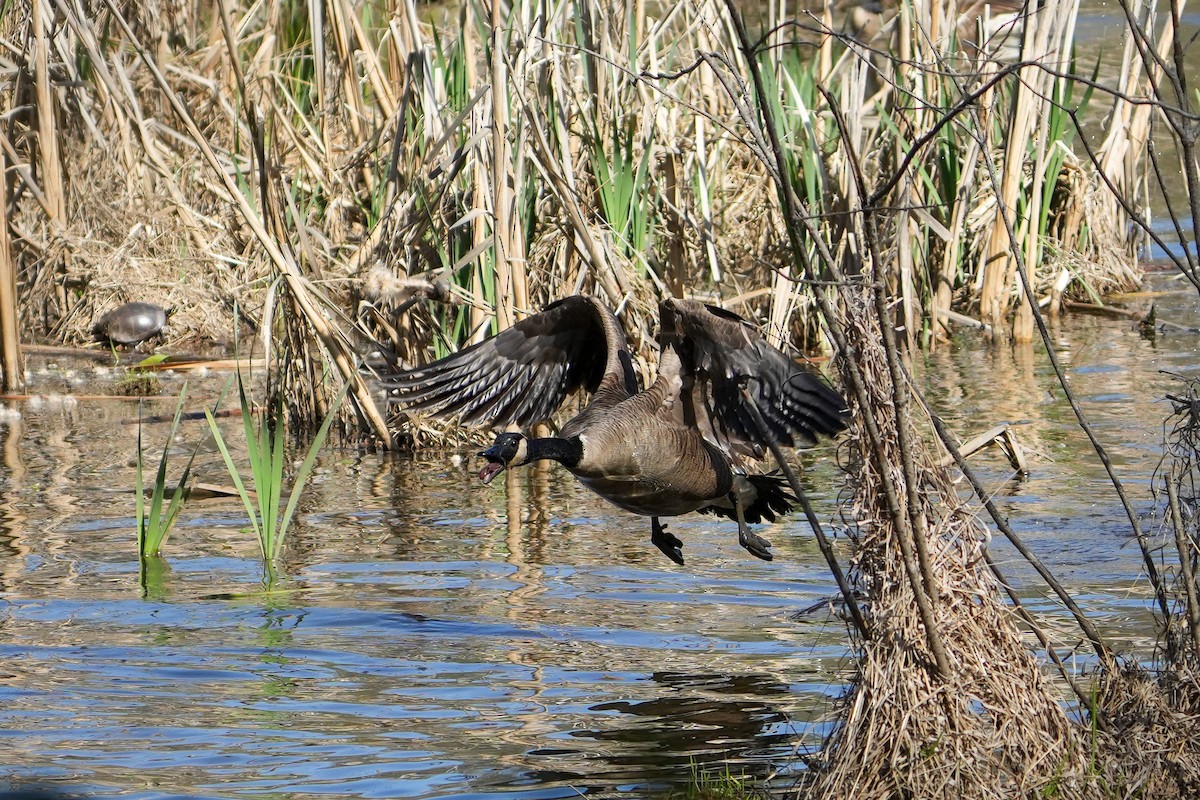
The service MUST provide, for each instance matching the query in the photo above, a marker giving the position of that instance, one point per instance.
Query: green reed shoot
(720, 784)
(622, 184)
(1061, 136)
(155, 522)
(794, 97)
(267, 455)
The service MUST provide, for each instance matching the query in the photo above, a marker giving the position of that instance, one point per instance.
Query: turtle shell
(131, 324)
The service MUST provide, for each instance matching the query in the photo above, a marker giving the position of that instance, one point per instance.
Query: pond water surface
(432, 637)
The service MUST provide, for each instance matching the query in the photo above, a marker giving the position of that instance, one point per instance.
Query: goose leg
(668, 543)
(757, 545)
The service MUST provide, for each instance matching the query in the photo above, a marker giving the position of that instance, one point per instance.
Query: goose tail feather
(772, 497)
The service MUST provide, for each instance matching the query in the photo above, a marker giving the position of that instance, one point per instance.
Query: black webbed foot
(671, 545)
(757, 545)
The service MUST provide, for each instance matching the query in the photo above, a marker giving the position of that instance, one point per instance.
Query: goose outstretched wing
(722, 353)
(524, 373)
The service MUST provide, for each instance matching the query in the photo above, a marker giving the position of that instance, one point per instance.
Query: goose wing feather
(723, 352)
(525, 372)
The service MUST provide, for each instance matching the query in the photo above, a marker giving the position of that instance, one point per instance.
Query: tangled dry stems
(995, 726)
(1149, 717)
(1149, 745)
(148, 219)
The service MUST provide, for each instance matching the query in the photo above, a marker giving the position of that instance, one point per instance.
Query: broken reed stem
(507, 291)
(1129, 135)
(1101, 452)
(481, 226)
(231, 49)
(1184, 552)
(856, 615)
(1085, 624)
(1182, 123)
(47, 135)
(25, 173)
(11, 373)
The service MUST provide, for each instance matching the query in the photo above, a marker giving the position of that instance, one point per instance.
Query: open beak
(494, 466)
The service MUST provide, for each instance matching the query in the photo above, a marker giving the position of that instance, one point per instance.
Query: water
(423, 642)
(418, 646)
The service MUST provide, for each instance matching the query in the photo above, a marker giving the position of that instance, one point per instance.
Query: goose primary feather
(685, 443)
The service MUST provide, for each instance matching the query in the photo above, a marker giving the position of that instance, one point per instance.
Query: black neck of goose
(567, 452)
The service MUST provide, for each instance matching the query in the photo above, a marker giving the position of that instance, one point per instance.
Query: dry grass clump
(1083, 226)
(1076, 257)
(147, 261)
(948, 700)
(1148, 737)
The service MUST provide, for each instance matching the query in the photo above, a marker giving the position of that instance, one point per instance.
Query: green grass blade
(278, 457)
(311, 458)
(253, 451)
(233, 472)
(154, 525)
(177, 497)
(160, 489)
(140, 500)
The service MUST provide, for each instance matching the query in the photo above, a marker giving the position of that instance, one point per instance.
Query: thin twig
(856, 615)
(1183, 550)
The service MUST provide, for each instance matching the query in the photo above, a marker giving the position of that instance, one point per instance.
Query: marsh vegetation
(356, 186)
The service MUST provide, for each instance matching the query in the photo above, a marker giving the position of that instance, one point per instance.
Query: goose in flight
(682, 444)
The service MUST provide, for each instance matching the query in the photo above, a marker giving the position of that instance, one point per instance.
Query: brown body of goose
(682, 444)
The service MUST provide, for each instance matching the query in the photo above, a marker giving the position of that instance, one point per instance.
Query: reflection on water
(436, 637)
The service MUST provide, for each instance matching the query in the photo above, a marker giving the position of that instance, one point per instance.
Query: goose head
(509, 450)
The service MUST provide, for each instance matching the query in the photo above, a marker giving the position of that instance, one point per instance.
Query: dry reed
(948, 700)
(11, 373)
(512, 159)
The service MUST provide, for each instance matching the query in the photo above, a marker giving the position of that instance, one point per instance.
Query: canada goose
(680, 445)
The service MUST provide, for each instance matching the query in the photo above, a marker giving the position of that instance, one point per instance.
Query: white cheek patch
(583, 448)
(522, 455)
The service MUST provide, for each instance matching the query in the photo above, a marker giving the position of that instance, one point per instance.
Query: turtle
(131, 324)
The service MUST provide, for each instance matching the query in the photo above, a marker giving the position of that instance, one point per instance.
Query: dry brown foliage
(380, 146)
(980, 720)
